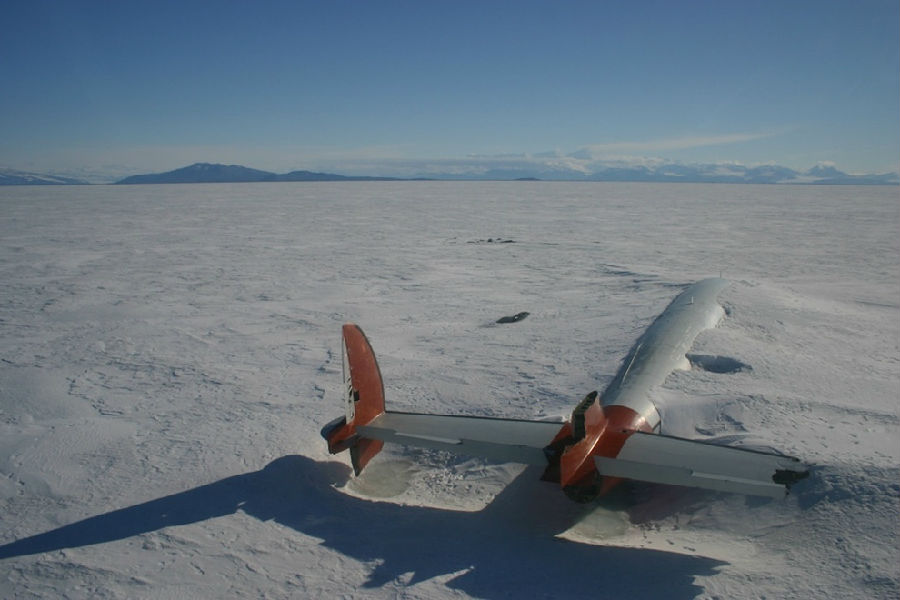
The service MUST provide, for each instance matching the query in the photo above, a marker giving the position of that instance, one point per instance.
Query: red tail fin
(363, 400)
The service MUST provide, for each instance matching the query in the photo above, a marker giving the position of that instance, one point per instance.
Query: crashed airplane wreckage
(610, 437)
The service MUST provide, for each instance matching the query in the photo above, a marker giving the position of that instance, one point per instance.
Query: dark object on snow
(492, 241)
(513, 319)
(715, 363)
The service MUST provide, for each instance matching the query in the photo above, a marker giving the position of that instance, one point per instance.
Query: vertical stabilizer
(363, 400)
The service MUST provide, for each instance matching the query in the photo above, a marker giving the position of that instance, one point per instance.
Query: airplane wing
(644, 457)
(506, 440)
(677, 461)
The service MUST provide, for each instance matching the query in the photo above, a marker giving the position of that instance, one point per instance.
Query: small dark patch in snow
(514, 318)
(493, 241)
(611, 269)
(715, 363)
(889, 305)
(788, 478)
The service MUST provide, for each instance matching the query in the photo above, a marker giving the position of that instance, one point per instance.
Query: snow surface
(169, 354)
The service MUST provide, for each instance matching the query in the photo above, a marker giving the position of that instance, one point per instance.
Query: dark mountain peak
(204, 173)
(216, 173)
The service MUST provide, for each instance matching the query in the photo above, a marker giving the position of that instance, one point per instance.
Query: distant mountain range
(570, 168)
(214, 173)
(663, 172)
(669, 172)
(10, 177)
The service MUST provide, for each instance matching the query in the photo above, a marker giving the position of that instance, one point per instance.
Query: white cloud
(668, 144)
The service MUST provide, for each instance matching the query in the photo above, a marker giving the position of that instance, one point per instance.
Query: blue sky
(379, 87)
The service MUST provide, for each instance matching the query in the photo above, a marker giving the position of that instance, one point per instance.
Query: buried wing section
(505, 440)
(663, 348)
(677, 461)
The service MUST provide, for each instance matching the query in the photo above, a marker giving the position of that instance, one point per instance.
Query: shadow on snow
(506, 548)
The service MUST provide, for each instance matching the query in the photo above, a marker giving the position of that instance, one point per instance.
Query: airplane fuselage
(626, 405)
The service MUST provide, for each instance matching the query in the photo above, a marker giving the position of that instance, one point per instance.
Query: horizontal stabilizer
(677, 461)
(506, 440)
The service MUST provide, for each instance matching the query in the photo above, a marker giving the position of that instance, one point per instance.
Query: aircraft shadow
(501, 551)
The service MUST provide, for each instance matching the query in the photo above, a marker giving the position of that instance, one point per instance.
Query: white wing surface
(677, 461)
(662, 348)
(506, 440)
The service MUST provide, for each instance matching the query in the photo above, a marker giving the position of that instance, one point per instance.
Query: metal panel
(662, 348)
(506, 440)
(677, 461)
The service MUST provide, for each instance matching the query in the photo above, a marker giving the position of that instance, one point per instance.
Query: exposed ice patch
(383, 479)
(599, 525)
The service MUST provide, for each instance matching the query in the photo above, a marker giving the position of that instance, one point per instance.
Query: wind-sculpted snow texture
(168, 355)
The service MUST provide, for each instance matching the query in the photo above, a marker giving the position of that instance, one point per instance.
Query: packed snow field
(168, 355)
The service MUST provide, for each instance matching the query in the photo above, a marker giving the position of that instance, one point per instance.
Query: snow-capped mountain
(12, 177)
(582, 166)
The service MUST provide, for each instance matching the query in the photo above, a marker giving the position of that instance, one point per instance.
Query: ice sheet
(169, 354)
